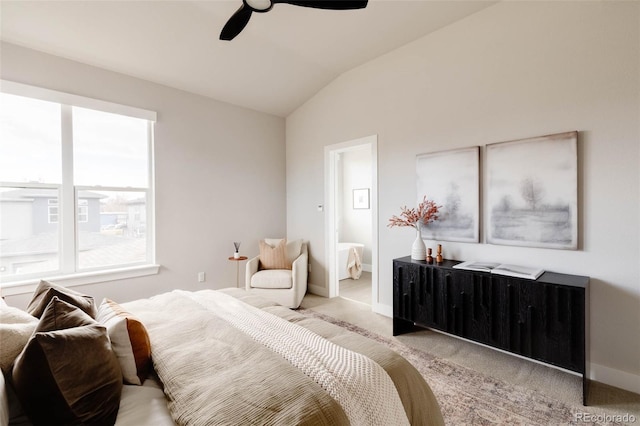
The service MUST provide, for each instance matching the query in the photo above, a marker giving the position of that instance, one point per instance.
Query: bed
(228, 357)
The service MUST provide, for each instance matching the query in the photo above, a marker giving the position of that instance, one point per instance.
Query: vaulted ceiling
(281, 59)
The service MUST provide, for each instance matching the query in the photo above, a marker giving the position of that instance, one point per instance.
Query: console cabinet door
(429, 308)
(405, 277)
(563, 312)
(544, 321)
(473, 307)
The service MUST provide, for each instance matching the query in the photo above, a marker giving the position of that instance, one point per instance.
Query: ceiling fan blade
(327, 4)
(236, 23)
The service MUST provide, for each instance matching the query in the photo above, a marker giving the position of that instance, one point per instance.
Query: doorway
(351, 217)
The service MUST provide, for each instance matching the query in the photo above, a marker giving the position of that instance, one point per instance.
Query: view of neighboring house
(33, 245)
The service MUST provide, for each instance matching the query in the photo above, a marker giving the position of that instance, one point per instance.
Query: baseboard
(611, 376)
(381, 309)
(317, 290)
(366, 267)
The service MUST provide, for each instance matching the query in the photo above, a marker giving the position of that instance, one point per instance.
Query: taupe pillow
(274, 257)
(60, 314)
(67, 372)
(46, 291)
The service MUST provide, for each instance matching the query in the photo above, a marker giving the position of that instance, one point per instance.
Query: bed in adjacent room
(228, 357)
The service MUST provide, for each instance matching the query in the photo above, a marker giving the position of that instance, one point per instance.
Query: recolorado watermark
(604, 418)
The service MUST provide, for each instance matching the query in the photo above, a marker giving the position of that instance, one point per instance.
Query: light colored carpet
(484, 382)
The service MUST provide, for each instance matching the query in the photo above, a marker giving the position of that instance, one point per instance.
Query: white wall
(220, 173)
(355, 224)
(514, 70)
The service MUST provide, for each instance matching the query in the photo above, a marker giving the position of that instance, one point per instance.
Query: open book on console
(502, 269)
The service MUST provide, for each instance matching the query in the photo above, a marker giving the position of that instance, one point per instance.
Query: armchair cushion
(272, 278)
(273, 257)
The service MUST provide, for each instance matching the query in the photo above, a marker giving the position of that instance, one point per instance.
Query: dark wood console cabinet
(545, 319)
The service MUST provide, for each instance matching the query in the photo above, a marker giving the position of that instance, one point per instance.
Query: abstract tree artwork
(452, 180)
(532, 192)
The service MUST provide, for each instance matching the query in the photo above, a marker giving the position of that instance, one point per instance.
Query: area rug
(467, 397)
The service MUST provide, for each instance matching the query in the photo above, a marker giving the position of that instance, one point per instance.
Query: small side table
(237, 260)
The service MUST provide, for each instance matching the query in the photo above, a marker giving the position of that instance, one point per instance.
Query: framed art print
(452, 180)
(361, 198)
(532, 192)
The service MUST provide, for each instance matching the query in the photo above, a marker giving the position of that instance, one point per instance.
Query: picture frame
(452, 179)
(532, 192)
(361, 198)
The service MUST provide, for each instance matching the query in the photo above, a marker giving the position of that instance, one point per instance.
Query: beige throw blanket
(214, 374)
(361, 387)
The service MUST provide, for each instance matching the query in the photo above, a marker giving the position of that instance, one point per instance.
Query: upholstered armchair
(279, 273)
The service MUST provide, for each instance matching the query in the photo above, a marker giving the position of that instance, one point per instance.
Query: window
(76, 191)
(53, 210)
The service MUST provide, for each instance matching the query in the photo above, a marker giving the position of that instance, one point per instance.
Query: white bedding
(144, 405)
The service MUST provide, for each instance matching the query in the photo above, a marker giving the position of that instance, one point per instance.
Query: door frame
(331, 155)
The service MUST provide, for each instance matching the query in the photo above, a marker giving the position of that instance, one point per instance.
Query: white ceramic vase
(418, 249)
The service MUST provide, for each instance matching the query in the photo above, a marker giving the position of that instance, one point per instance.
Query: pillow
(129, 341)
(16, 326)
(67, 372)
(293, 247)
(45, 292)
(4, 402)
(59, 315)
(273, 257)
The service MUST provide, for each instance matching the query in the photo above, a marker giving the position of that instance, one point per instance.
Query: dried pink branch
(426, 212)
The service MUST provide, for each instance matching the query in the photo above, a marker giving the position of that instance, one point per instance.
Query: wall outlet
(201, 277)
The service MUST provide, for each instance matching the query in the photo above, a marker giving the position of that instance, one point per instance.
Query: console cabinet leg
(401, 326)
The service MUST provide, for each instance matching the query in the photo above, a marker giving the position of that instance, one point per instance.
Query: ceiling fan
(239, 20)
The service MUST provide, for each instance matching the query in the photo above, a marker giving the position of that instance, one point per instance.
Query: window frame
(68, 206)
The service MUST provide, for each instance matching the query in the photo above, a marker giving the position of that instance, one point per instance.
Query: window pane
(109, 149)
(30, 149)
(28, 237)
(114, 232)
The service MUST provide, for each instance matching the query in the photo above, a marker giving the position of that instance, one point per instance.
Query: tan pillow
(292, 248)
(129, 340)
(67, 372)
(16, 327)
(274, 257)
(45, 292)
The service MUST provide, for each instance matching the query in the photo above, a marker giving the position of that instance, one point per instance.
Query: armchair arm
(299, 274)
(250, 269)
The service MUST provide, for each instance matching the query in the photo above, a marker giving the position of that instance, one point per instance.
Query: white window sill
(28, 286)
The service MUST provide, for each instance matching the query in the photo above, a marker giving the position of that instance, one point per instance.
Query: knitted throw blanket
(363, 389)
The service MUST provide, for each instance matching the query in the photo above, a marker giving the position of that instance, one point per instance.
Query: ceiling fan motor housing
(259, 5)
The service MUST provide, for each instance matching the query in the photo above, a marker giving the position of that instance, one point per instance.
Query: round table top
(238, 258)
